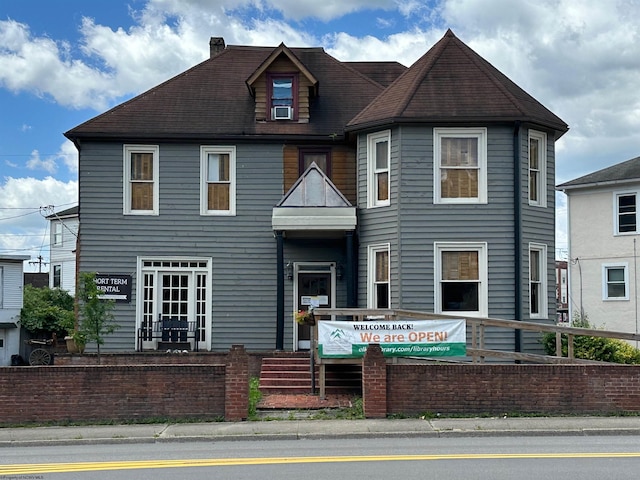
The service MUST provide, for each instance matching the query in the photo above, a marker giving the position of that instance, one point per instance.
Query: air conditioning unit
(282, 113)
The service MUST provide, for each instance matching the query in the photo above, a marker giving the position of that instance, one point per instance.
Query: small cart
(41, 353)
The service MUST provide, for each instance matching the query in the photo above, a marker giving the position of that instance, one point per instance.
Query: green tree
(96, 319)
(46, 311)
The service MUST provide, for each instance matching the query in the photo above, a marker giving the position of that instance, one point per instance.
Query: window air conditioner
(282, 113)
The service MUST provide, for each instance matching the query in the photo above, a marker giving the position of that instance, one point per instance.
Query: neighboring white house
(11, 290)
(64, 233)
(604, 229)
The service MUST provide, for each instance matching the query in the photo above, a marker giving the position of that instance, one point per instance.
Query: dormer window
(283, 96)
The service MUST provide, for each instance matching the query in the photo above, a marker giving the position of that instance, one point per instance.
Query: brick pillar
(236, 383)
(374, 382)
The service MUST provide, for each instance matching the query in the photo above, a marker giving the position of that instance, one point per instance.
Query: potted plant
(305, 317)
(76, 341)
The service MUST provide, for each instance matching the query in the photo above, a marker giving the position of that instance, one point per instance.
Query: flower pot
(72, 346)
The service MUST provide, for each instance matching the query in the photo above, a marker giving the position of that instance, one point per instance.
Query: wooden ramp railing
(478, 327)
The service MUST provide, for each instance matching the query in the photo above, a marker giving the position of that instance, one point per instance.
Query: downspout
(351, 297)
(517, 220)
(279, 290)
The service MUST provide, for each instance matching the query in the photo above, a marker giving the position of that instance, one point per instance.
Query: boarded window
(142, 181)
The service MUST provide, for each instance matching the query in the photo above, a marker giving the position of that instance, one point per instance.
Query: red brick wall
(374, 383)
(500, 389)
(237, 385)
(85, 393)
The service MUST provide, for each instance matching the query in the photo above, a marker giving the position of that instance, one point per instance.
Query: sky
(63, 62)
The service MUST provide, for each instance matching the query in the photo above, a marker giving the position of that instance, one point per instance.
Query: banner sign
(114, 287)
(397, 338)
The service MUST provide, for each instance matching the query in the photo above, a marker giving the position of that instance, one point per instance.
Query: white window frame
(154, 267)
(541, 190)
(57, 234)
(616, 211)
(373, 171)
(371, 273)
(127, 151)
(477, 132)
(483, 281)
(205, 150)
(605, 284)
(1, 286)
(543, 301)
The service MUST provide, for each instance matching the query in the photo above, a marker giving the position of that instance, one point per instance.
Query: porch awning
(7, 325)
(312, 204)
(314, 218)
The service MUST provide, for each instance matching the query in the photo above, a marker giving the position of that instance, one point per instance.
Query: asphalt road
(495, 458)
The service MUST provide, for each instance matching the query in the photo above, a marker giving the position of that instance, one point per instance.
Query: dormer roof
(282, 49)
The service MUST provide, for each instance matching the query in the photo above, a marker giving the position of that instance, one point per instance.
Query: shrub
(46, 311)
(593, 348)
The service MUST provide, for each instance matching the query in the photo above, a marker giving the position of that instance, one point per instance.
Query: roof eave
(559, 128)
(607, 183)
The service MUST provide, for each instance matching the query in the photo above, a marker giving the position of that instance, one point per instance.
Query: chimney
(216, 45)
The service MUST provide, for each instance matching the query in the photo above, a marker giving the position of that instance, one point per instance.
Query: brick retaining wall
(501, 389)
(120, 392)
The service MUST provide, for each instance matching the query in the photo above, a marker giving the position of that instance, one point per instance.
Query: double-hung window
(460, 165)
(57, 233)
(626, 212)
(379, 284)
(218, 180)
(461, 278)
(537, 168)
(538, 281)
(141, 179)
(378, 166)
(615, 281)
(57, 276)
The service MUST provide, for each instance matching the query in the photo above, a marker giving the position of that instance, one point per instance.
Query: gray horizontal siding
(414, 223)
(242, 247)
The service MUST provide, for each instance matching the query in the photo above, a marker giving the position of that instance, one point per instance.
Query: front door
(312, 287)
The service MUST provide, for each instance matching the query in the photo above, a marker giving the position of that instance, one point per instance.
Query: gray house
(267, 179)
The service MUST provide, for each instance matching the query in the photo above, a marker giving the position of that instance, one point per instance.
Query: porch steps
(291, 375)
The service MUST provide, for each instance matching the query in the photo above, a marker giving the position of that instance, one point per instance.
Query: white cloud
(22, 216)
(42, 66)
(69, 155)
(37, 163)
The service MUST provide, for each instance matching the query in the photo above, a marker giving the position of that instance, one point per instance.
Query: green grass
(254, 397)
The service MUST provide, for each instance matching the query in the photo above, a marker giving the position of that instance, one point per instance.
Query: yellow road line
(23, 469)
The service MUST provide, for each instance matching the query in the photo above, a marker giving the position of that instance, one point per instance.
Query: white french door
(177, 290)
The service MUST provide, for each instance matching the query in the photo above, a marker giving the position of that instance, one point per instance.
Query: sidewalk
(317, 429)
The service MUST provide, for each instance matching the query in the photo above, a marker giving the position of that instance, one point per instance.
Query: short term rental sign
(398, 338)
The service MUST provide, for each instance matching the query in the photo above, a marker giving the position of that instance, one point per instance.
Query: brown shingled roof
(452, 83)
(211, 100)
(385, 73)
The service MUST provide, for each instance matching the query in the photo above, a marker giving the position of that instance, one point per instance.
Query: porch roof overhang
(314, 218)
(314, 204)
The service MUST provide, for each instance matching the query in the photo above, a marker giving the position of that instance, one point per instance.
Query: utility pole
(40, 263)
